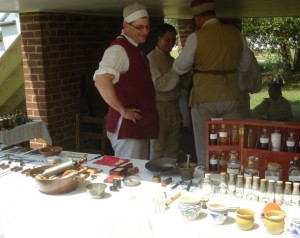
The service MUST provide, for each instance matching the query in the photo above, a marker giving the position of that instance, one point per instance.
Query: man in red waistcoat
(124, 81)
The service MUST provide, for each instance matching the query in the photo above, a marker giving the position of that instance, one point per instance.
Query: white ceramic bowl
(189, 211)
(96, 190)
(218, 212)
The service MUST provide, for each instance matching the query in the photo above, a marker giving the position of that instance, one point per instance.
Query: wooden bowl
(51, 150)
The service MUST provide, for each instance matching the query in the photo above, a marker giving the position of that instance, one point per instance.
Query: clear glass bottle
(206, 188)
(264, 140)
(276, 140)
(239, 189)
(223, 162)
(295, 194)
(294, 170)
(255, 187)
(223, 136)
(233, 165)
(287, 196)
(231, 185)
(248, 193)
(213, 162)
(273, 171)
(279, 192)
(271, 190)
(251, 169)
(234, 135)
(213, 135)
(251, 139)
(223, 184)
(263, 191)
(290, 143)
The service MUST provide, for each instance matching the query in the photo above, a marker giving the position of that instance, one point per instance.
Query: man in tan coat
(215, 53)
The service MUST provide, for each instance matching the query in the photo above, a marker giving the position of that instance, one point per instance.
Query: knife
(95, 158)
(177, 184)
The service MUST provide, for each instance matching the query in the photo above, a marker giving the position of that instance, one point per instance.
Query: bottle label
(213, 161)
(213, 136)
(223, 134)
(233, 171)
(294, 178)
(272, 177)
(290, 143)
(264, 140)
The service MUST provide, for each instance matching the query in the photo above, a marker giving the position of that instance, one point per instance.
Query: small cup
(244, 219)
(96, 190)
(190, 206)
(295, 225)
(274, 222)
(218, 212)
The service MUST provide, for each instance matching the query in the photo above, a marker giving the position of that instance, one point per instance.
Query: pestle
(188, 161)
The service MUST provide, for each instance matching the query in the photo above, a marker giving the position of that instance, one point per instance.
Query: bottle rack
(265, 156)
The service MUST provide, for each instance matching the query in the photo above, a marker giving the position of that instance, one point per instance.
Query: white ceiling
(179, 9)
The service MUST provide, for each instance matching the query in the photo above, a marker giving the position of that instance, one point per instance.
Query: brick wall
(60, 52)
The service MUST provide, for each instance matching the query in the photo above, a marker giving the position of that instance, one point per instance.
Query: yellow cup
(274, 222)
(244, 218)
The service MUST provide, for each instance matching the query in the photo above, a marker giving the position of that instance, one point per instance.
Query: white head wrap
(134, 11)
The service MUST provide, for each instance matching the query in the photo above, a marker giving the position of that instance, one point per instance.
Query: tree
(281, 35)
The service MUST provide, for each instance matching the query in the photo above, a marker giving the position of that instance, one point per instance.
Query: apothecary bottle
(294, 170)
(213, 162)
(213, 135)
(233, 165)
(234, 135)
(275, 140)
(295, 194)
(223, 135)
(239, 189)
(223, 162)
(251, 168)
(255, 187)
(231, 185)
(263, 191)
(287, 195)
(271, 190)
(273, 171)
(290, 143)
(206, 187)
(223, 183)
(251, 139)
(279, 192)
(264, 140)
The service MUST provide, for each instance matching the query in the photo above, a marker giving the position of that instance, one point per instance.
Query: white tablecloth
(25, 212)
(26, 132)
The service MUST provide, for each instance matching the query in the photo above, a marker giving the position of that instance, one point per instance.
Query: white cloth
(26, 132)
(115, 61)
(184, 62)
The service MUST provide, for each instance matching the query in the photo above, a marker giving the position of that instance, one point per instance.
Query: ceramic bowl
(189, 211)
(131, 181)
(51, 150)
(274, 221)
(244, 219)
(218, 212)
(295, 225)
(96, 190)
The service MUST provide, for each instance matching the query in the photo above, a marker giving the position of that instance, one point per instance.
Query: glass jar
(294, 170)
(213, 135)
(223, 136)
(276, 140)
(251, 169)
(234, 135)
(213, 162)
(264, 140)
(290, 143)
(223, 162)
(251, 140)
(233, 165)
(206, 188)
(273, 171)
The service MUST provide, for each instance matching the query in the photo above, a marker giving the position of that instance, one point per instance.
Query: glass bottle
(295, 194)
(294, 170)
(239, 189)
(213, 162)
(290, 143)
(251, 140)
(233, 165)
(270, 190)
(273, 171)
(213, 135)
(275, 140)
(251, 169)
(223, 183)
(206, 188)
(263, 191)
(234, 135)
(231, 185)
(279, 192)
(255, 187)
(223, 162)
(248, 193)
(287, 196)
(264, 140)
(223, 136)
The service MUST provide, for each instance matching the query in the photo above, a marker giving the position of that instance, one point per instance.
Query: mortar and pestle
(186, 169)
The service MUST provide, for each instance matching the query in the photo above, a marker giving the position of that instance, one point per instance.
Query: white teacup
(218, 212)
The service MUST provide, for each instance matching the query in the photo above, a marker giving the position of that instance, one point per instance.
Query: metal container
(55, 186)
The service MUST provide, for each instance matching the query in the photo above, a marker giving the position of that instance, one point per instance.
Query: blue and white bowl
(218, 212)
